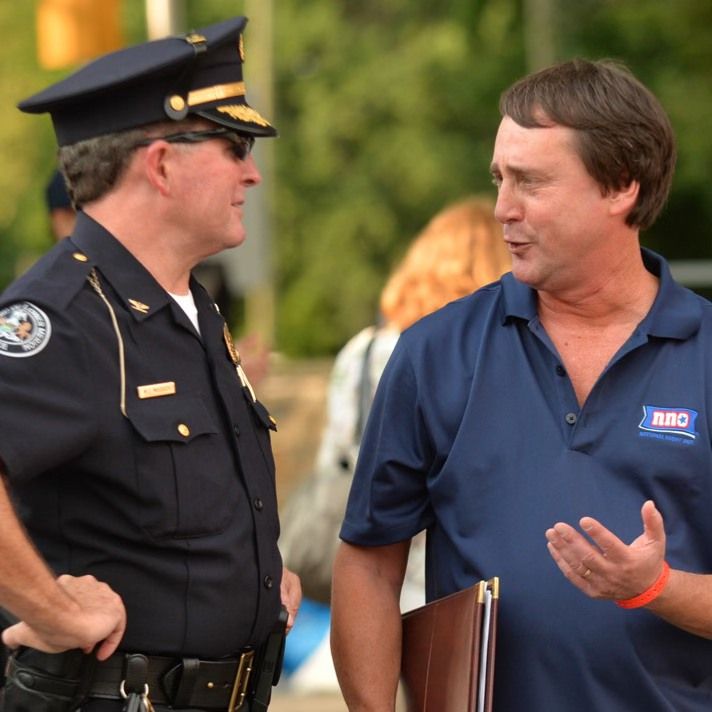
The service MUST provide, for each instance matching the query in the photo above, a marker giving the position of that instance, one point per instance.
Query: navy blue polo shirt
(476, 435)
(160, 483)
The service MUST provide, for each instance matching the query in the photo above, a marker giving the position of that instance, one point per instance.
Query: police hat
(167, 79)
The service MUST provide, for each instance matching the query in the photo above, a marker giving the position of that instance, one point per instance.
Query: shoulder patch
(24, 330)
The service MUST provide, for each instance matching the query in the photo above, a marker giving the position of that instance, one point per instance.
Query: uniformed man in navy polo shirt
(556, 421)
(133, 445)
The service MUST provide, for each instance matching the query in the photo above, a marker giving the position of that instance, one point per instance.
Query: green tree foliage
(387, 112)
(21, 142)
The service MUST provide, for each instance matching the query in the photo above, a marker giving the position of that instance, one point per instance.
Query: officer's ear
(157, 165)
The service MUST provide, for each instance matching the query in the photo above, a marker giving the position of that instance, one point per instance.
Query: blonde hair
(460, 250)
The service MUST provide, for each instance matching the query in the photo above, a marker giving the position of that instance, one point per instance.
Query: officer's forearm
(366, 625)
(27, 586)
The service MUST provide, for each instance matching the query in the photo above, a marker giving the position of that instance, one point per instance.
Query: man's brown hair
(623, 133)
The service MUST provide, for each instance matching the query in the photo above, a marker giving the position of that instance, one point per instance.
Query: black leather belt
(229, 684)
(189, 682)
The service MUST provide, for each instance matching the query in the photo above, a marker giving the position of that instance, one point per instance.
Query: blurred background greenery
(387, 110)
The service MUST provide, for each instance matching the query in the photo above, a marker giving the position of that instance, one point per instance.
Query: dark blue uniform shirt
(171, 502)
(476, 436)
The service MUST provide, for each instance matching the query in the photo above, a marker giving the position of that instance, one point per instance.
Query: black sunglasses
(240, 144)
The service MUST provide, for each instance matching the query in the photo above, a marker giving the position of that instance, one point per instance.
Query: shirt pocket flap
(173, 419)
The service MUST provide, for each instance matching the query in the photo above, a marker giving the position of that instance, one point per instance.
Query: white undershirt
(187, 304)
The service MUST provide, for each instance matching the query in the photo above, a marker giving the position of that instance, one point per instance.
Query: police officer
(132, 442)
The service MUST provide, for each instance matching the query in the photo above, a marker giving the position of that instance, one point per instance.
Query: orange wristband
(650, 594)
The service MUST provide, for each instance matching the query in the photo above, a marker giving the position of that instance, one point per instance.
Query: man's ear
(622, 200)
(156, 165)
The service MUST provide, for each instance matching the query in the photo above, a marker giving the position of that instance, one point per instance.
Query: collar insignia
(139, 306)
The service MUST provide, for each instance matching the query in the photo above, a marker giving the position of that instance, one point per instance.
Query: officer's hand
(88, 614)
(291, 594)
(605, 567)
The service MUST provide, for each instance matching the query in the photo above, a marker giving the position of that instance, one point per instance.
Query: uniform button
(184, 430)
(571, 418)
(268, 582)
(560, 370)
(236, 430)
(259, 504)
(80, 257)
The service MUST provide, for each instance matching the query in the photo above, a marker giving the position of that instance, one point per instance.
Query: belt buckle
(242, 679)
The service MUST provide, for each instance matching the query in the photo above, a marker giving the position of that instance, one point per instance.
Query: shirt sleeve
(47, 417)
(389, 497)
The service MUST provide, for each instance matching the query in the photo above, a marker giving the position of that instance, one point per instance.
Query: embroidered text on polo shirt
(668, 423)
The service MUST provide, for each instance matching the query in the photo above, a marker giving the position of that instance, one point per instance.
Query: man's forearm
(366, 625)
(686, 602)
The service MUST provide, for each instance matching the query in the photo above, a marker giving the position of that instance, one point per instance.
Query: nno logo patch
(24, 330)
(669, 421)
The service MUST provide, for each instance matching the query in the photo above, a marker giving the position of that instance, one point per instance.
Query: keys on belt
(138, 699)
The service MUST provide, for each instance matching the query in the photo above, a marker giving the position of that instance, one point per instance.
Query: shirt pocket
(186, 481)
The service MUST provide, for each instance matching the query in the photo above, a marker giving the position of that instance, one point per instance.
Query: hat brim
(241, 117)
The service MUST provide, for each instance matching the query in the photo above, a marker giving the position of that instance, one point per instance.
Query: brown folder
(447, 663)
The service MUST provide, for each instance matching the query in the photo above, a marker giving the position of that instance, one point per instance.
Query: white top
(187, 304)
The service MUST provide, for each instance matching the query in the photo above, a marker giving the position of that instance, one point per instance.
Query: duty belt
(228, 684)
(189, 682)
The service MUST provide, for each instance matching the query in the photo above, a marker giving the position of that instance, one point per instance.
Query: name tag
(156, 390)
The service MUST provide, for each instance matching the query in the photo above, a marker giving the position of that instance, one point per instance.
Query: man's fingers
(653, 525)
(107, 647)
(607, 542)
(20, 634)
(571, 552)
(111, 642)
(9, 636)
(291, 595)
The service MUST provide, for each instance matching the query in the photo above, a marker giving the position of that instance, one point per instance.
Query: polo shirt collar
(676, 312)
(133, 283)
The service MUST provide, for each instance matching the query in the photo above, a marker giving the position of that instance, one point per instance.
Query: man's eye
(241, 148)
(239, 151)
